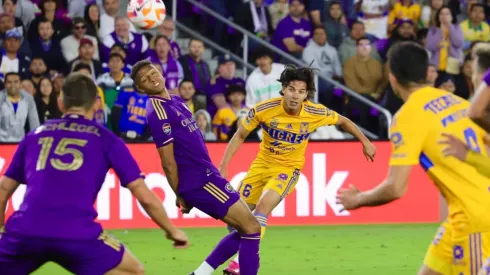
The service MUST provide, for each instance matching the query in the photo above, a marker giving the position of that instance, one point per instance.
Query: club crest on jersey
(229, 188)
(274, 123)
(132, 100)
(458, 255)
(289, 126)
(282, 176)
(250, 116)
(303, 127)
(166, 128)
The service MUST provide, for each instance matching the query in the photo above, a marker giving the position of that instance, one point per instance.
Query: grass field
(353, 250)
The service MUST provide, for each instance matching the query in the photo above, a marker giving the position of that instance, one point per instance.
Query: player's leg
(218, 199)
(84, 257)
(485, 268)
(439, 257)
(19, 256)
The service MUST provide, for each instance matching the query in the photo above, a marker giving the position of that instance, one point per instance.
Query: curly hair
(294, 73)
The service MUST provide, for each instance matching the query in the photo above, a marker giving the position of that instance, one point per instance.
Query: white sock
(236, 258)
(204, 269)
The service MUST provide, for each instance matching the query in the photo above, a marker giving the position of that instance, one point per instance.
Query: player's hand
(455, 147)
(349, 198)
(178, 237)
(223, 171)
(369, 151)
(184, 208)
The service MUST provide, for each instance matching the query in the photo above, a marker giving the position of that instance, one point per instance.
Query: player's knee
(139, 270)
(251, 226)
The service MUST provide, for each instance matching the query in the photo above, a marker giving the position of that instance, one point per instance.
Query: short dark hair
(422, 34)
(361, 39)
(483, 58)
(408, 62)
(356, 23)
(80, 66)
(185, 80)
(118, 45)
(11, 74)
(319, 27)
(235, 89)
(161, 36)
(80, 91)
(13, 1)
(116, 55)
(477, 5)
(438, 12)
(195, 39)
(293, 73)
(137, 67)
(262, 52)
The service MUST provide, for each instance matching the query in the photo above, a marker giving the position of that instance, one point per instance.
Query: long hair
(294, 73)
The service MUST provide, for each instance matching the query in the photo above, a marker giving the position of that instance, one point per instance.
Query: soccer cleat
(192, 273)
(232, 269)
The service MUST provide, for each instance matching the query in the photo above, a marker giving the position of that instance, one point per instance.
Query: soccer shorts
(261, 177)
(21, 255)
(455, 254)
(214, 198)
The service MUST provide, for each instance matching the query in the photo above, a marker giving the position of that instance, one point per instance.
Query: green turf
(366, 250)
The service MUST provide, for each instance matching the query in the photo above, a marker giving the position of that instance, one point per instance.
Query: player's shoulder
(156, 108)
(177, 98)
(315, 109)
(268, 104)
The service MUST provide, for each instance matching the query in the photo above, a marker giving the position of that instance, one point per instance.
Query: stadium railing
(248, 35)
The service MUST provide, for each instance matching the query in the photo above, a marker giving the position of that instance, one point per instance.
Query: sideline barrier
(328, 167)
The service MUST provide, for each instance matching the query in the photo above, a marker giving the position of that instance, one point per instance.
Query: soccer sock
(249, 254)
(224, 250)
(204, 269)
(263, 226)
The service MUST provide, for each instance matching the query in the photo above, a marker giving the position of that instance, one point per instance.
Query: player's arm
(478, 111)
(248, 124)
(350, 127)
(169, 166)
(7, 188)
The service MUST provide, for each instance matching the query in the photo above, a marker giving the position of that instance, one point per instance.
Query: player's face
(150, 80)
(294, 94)
(187, 90)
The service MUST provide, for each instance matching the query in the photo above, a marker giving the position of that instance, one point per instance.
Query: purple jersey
(486, 77)
(63, 164)
(171, 121)
(218, 86)
(288, 28)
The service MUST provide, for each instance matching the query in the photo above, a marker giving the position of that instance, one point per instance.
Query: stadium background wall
(329, 166)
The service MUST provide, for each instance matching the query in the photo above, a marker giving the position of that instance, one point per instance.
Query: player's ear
(393, 80)
(61, 107)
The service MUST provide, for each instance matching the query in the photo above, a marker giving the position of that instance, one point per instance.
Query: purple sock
(225, 249)
(249, 254)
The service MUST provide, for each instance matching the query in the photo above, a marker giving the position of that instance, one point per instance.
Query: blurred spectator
(374, 15)
(10, 8)
(58, 80)
(113, 82)
(17, 110)
(100, 114)
(326, 58)
(428, 13)
(262, 83)
(76, 8)
(464, 85)
(71, 43)
(422, 39)
(28, 86)
(47, 48)
(25, 10)
(403, 11)
(432, 75)
(37, 70)
(46, 102)
(107, 19)
(461, 9)
(404, 31)
(12, 60)
(171, 68)
(253, 136)
(225, 117)
(364, 75)
(48, 12)
(255, 18)
(186, 92)
(278, 10)
(128, 115)
(86, 55)
(216, 89)
(7, 23)
(348, 48)
(327, 133)
(203, 121)
(167, 28)
(119, 49)
(336, 24)
(92, 19)
(475, 28)
(293, 32)
(135, 44)
(446, 82)
(445, 41)
(315, 10)
(194, 67)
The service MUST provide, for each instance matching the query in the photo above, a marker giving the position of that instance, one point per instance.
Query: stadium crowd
(42, 41)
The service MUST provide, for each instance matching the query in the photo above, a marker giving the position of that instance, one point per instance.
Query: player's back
(432, 112)
(65, 164)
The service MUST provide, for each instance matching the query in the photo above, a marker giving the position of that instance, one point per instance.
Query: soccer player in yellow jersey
(463, 242)
(287, 123)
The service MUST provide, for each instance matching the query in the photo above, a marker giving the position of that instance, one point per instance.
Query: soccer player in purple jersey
(191, 174)
(63, 164)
